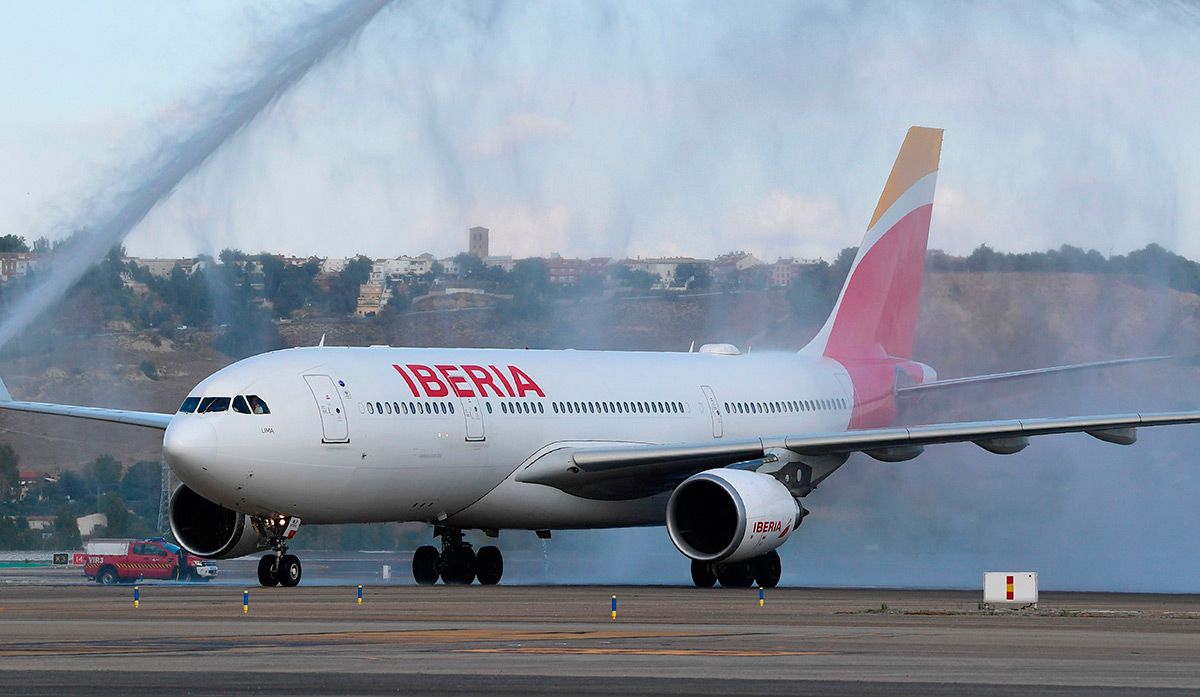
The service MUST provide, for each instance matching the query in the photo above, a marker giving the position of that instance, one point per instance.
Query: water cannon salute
(722, 449)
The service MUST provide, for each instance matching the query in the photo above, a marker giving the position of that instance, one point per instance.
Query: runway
(561, 640)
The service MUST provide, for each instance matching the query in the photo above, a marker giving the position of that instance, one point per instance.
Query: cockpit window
(217, 404)
(240, 406)
(189, 405)
(257, 404)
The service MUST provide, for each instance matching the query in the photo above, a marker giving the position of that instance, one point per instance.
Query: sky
(610, 129)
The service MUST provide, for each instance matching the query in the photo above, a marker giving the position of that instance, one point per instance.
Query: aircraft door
(474, 418)
(333, 413)
(717, 424)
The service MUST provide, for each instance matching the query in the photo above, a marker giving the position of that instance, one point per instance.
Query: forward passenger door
(334, 428)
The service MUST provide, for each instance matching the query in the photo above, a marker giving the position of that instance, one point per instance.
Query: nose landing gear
(457, 563)
(280, 568)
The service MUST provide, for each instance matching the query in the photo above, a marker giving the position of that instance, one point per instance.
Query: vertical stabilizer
(876, 312)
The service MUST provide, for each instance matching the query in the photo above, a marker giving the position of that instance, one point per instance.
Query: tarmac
(523, 640)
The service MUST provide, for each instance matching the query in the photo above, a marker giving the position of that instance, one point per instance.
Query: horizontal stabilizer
(976, 380)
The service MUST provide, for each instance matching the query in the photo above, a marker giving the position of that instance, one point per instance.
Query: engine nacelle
(726, 515)
(209, 530)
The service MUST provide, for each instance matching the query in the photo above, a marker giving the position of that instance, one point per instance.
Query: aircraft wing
(616, 472)
(147, 419)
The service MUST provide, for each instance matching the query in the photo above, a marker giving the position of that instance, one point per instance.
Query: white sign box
(1010, 587)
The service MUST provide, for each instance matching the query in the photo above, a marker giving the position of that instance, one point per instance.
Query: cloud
(790, 223)
(520, 130)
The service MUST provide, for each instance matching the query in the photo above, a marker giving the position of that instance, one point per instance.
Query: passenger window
(541, 409)
(240, 406)
(189, 405)
(370, 408)
(257, 405)
(451, 405)
(387, 407)
(489, 407)
(396, 407)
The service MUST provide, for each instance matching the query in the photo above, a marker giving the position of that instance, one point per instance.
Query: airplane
(719, 445)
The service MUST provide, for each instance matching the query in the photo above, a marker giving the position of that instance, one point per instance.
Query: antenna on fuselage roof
(321, 342)
(692, 348)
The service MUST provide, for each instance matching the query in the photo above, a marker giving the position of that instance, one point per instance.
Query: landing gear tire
(735, 575)
(702, 574)
(289, 570)
(767, 569)
(425, 564)
(458, 566)
(489, 565)
(268, 573)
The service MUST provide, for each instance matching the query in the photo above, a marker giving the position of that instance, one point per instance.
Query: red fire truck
(125, 561)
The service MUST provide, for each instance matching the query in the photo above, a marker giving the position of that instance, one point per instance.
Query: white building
(87, 524)
(162, 268)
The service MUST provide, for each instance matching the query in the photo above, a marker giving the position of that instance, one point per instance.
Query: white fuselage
(361, 434)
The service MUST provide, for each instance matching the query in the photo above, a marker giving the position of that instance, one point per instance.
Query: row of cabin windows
(406, 408)
(250, 404)
(423, 408)
(618, 407)
(787, 407)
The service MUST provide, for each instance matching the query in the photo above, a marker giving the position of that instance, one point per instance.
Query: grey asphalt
(561, 640)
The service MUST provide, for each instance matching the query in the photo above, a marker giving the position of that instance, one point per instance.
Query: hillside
(970, 323)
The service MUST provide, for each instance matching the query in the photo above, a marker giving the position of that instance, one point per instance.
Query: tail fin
(876, 311)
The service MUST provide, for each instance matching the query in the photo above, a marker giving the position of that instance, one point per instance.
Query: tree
(73, 486)
(693, 276)
(141, 487)
(641, 280)
(343, 291)
(65, 533)
(10, 473)
(105, 472)
(13, 243)
(120, 520)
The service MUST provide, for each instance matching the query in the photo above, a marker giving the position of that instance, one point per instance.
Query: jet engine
(209, 530)
(726, 515)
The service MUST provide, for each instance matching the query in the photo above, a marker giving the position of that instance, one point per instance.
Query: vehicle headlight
(198, 563)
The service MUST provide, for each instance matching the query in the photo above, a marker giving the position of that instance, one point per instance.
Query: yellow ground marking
(609, 651)
(483, 634)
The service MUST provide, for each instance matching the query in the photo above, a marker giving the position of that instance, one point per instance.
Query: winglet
(4, 394)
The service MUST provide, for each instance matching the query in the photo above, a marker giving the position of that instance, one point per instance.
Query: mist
(626, 129)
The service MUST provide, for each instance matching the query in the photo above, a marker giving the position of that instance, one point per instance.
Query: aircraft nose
(190, 447)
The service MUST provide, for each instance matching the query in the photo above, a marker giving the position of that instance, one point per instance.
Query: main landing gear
(763, 570)
(280, 568)
(457, 563)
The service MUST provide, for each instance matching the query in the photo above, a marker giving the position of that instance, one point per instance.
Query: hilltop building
(477, 245)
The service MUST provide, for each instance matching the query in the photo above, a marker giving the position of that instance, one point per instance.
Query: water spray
(315, 40)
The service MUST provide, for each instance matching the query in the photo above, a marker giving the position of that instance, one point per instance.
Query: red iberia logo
(468, 381)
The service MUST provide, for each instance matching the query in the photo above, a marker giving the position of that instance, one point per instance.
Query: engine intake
(210, 530)
(726, 515)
